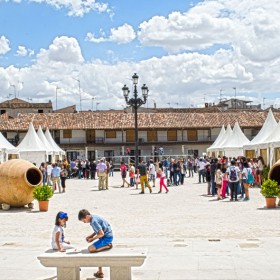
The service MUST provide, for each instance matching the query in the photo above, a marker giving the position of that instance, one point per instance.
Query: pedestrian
(101, 168)
(161, 172)
(248, 179)
(152, 172)
(102, 235)
(218, 179)
(58, 238)
(49, 173)
(233, 179)
(63, 177)
(123, 170)
(201, 171)
(44, 172)
(131, 174)
(142, 172)
(112, 166)
(93, 170)
(208, 177)
(55, 175)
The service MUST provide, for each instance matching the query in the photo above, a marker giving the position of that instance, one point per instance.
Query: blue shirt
(56, 171)
(97, 223)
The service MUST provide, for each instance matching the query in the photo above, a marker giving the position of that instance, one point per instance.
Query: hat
(63, 215)
(208, 163)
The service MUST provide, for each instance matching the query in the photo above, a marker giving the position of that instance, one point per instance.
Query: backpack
(250, 177)
(232, 174)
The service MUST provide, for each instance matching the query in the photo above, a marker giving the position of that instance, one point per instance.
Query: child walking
(101, 231)
(58, 241)
(161, 172)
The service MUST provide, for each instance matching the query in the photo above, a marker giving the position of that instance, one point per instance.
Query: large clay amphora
(18, 177)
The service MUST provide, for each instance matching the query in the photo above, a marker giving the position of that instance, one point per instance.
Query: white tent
(233, 147)
(49, 149)
(212, 148)
(32, 148)
(273, 144)
(255, 147)
(6, 149)
(219, 147)
(58, 151)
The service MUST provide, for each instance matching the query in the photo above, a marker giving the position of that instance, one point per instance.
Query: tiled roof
(123, 120)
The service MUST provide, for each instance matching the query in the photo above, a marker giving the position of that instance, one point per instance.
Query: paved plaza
(187, 234)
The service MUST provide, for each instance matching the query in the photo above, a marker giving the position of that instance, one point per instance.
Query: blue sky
(186, 51)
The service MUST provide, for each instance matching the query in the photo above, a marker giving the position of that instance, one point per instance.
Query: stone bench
(68, 264)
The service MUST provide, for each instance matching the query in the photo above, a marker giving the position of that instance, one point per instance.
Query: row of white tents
(35, 147)
(233, 142)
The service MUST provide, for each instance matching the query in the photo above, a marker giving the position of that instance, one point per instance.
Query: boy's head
(84, 216)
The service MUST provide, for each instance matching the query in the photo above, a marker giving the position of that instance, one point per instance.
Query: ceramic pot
(18, 177)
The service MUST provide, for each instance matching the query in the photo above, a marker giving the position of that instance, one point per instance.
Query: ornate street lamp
(135, 102)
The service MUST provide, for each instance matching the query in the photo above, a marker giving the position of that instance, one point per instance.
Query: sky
(187, 52)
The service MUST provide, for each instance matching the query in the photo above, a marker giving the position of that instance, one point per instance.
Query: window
(172, 135)
(111, 134)
(40, 111)
(152, 136)
(67, 133)
(130, 136)
(90, 136)
(2, 112)
(192, 135)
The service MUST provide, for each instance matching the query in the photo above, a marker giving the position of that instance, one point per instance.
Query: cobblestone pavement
(187, 234)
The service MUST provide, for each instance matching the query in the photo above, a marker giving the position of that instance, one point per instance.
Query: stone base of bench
(68, 264)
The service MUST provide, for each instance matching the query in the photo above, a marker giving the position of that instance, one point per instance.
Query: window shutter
(67, 133)
(130, 136)
(152, 135)
(111, 134)
(171, 135)
(192, 134)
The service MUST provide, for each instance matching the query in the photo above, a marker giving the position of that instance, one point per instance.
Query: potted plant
(43, 194)
(270, 190)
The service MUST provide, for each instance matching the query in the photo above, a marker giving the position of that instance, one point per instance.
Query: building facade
(108, 133)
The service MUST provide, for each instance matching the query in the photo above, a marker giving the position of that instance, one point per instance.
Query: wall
(78, 136)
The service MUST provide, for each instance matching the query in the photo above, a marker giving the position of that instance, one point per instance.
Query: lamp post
(135, 102)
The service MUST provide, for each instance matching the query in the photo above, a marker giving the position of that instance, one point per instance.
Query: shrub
(42, 193)
(270, 188)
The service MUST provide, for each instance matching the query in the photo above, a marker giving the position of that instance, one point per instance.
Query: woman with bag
(123, 170)
(248, 179)
(219, 179)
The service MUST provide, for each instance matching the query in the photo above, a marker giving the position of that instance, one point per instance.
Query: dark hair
(232, 162)
(83, 213)
(246, 165)
(219, 166)
(160, 165)
(58, 215)
(261, 159)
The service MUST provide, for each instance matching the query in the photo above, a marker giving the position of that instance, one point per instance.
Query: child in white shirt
(58, 241)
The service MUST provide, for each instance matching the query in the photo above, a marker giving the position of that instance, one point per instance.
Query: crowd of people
(223, 176)
(230, 176)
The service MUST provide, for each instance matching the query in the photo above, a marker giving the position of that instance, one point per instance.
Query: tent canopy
(263, 136)
(56, 148)
(31, 142)
(7, 146)
(218, 139)
(46, 143)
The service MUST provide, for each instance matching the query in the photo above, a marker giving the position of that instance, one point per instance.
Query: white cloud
(4, 45)
(120, 35)
(251, 63)
(78, 7)
(250, 27)
(64, 50)
(23, 51)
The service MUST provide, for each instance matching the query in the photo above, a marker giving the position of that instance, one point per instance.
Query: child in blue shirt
(102, 235)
